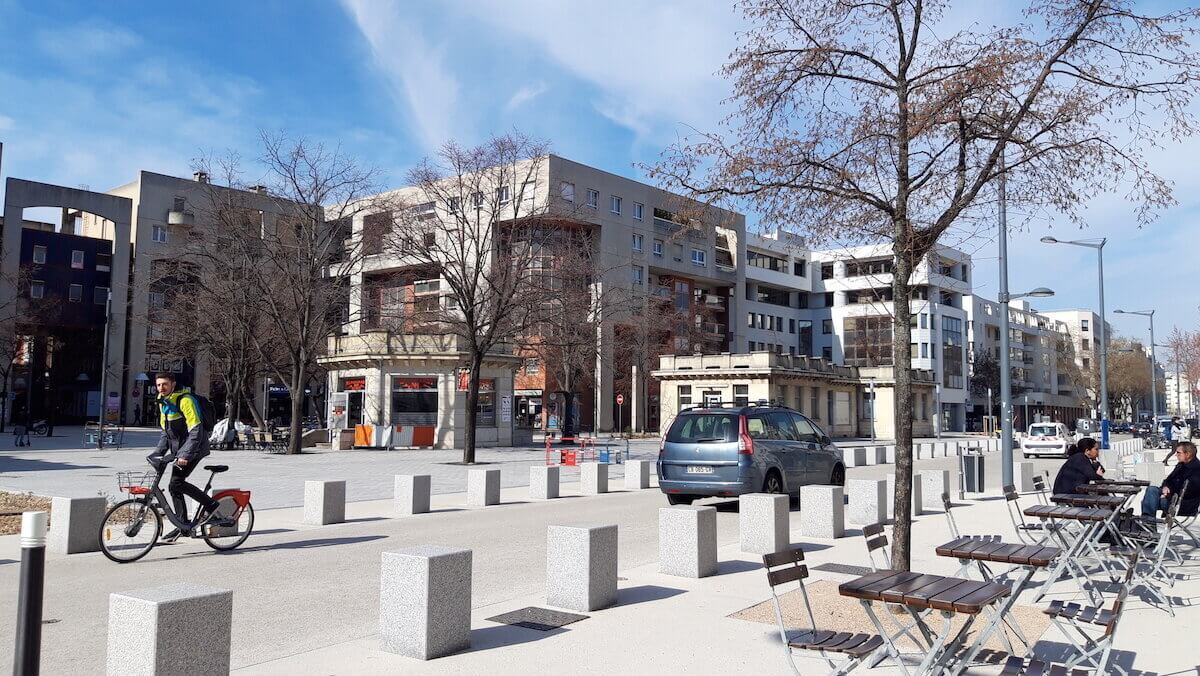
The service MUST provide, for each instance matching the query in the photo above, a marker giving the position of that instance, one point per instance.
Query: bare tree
(1085, 382)
(867, 121)
(478, 219)
(1129, 374)
(1185, 357)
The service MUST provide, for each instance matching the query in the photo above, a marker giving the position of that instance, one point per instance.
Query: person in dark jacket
(1081, 467)
(1187, 471)
(183, 438)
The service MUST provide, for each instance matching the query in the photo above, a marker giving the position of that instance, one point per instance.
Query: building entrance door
(354, 408)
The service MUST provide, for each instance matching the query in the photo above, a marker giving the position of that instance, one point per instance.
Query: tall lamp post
(1153, 382)
(1102, 329)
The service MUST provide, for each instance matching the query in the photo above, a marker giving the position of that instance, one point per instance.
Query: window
(103, 262)
(100, 295)
(827, 271)
(415, 400)
(923, 318)
(827, 353)
(502, 194)
(37, 289)
(750, 319)
(637, 242)
(952, 352)
(1085, 345)
(39, 255)
(868, 341)
(593, 198)
(828, 299)
(826, 326)
(430, 239)
(158, 300)
(178, 204)
(531, 366)
(699, 258)
(814, 402)
(863, 268)
(658, 248)
(1087, 363)
(1083, 324)
(678, 251)
(685, 396)
(76, 260)
(477, 200)
(741, 395)
(639, 210)
(614, 204)
(704, 429)
(486, 409)
(772, 296)
(800, 268)
(761, 260)
(791, 325)
(637, 275)
(76, 293)
(158, 233)
(567, 190)
(924, 350)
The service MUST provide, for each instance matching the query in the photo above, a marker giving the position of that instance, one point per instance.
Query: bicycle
(125, 522)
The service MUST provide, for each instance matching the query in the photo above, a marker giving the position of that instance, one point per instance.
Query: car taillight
(745, 443)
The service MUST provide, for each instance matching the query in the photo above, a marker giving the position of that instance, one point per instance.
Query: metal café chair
(1155, 546)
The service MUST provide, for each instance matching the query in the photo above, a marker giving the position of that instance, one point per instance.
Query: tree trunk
(296, 398)
(903, 409)
(249, 399)
(472, 407)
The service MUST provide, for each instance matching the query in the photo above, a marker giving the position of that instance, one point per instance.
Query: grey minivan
(714, 451)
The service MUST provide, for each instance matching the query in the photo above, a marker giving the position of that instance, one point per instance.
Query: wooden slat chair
(1028, 533)
(948, 508)
(850, 648)
(1039, 487)
(877, 545)
(1071, 619)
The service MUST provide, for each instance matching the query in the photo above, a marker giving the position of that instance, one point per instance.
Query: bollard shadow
(736, 566)
(365, 519)
(7, 561)
(274, 531)
(807, 547)
(644, 593)
(300, 544)
(503, 635)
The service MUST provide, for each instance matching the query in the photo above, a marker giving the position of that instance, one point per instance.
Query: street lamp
(1006, 422)
(1153, 361)
(1102, 330)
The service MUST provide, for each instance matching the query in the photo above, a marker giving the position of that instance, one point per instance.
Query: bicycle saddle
(217, 469)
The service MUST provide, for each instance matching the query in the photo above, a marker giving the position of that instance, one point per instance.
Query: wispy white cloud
(524, 95)
(85, 43)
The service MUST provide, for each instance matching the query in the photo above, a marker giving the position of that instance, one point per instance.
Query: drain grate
(541, 619)
(842, 568)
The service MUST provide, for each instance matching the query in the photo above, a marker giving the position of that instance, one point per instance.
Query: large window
(952, 352)
(685, 396)
(741, 395)
(761, 260)
(874, 267)
(415, 401)
(773, 296)
(868, 341)
(699, 258)
(39, 254)
(800, 268)
(76, 260)
(487, 403)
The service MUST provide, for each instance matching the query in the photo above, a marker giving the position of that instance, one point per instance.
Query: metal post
(1153, 379)
(27, 657)
(1103, 335)
(872, 386)
(988, 415)
(1006, 428)
(104, 371)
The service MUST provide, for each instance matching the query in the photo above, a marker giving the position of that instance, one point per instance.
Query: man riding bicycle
(183, 438)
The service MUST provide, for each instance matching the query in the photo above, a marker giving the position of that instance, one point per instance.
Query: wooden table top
(1102, 501)
(1068, 512)
(1124, 482)
(1109, 489)
(999, 552)
(917, 590)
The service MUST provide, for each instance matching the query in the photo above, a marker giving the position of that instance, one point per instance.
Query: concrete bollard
(876, 455)
(687, 541)
(934, 482)
(637, 474)
(1110, 458)
(890, 454)
(593, 478)
(74, 524)
(763, 523)
(868, 501)
(412, 493)
(854, 457)
(822, 511)
(918, 504)
(425, 601)
(181, 628)
(483, 487)
(543, 482)
(324, 502)
(581, 567)
(1154, 472)
(1023, 476)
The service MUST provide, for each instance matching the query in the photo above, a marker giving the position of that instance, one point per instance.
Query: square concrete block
(425, 601)
(1111, 459)
(179, 628)
(412, 493)
(877, 455)
(593, 478)
(543, 482)
(1023, 476)
(763, 523)
(74, 524)
(1154, 472)
(324, 502)
(918, 506)
(483, 487)
(854, 457)
(890, 454)
(868, 501)
(581, 567)
(822, 511)
(637, 474)
(687, 541)
(934, 482)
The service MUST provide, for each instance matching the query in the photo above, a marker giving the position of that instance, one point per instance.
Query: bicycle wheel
(129, 531)
(224, 539)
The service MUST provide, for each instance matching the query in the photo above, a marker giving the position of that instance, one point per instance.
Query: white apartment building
(1181, 400)
(1083, 328)
(778, 288)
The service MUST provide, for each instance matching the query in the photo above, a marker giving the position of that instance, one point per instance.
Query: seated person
(1080, 468)
(1187, 471)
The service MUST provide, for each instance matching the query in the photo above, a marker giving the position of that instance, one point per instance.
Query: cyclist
(184, 438)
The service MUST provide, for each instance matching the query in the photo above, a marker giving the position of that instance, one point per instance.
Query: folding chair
(1039, 487)
(1155, 547)
(948, 507)
(784, 567)
(1186, 524)
(1028, 533)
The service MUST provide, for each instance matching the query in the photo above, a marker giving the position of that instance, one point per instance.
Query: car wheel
(773, 483)
(680, 499)
(838, 478)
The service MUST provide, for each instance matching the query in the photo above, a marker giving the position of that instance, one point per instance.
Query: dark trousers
(1153, 501)
(179, 487)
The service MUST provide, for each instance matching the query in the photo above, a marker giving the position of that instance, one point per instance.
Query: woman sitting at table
(1081, 467)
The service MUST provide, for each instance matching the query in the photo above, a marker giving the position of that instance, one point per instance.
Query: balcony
(370, 347)
(181, 218)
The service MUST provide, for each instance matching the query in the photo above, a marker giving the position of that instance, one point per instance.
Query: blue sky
(90, 94)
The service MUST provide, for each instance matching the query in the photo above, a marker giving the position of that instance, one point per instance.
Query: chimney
(260, 189)
(201, 176)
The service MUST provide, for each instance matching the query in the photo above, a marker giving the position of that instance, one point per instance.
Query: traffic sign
(620, 400)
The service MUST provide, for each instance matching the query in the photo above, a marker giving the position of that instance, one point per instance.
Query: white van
(1046, 439)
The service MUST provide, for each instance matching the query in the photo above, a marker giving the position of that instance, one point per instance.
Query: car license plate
(699, 469)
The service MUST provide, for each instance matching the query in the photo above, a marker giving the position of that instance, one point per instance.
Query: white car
(1046, 439)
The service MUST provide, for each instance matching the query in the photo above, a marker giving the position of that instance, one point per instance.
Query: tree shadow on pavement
(649, 592)
(32, 465)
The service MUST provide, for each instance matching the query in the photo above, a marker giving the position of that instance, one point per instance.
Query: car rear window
(1043, 431)
(704, 427)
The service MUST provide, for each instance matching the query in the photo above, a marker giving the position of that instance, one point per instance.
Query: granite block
(687, 541)
(324, 502)
(637, 474)
(412, 493)
(1154, 472)
(854, 457)
(890, 454)
(822, 511)
(155, 630)
(918, 506)
(425, 601)
(877, 455)
(1023, 476)
(581, 567)
(483, 487)
(868, 501)
(593, 478)
(934, 482)
(543, 482)
(75, 524)
(763, 520)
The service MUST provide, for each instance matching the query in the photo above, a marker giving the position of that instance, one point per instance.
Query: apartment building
(1180, 394)
(778, 289)
(1082, 329)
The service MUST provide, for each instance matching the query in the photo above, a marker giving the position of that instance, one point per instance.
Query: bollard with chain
(27, 657)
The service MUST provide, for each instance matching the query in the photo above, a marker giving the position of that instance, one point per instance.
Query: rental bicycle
(132, 527)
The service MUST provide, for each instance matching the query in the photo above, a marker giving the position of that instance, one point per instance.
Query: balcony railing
(385, 343)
